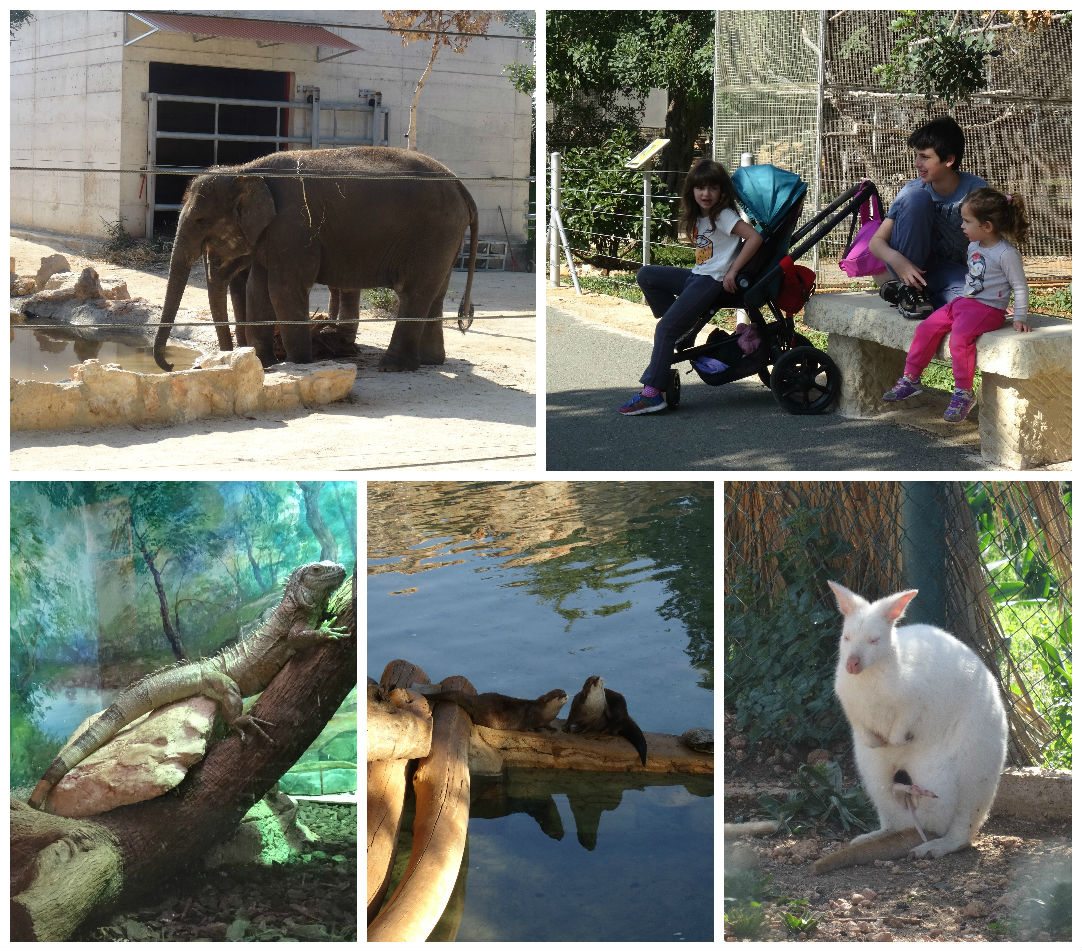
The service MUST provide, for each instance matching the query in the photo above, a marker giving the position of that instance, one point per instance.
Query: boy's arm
(907, 271)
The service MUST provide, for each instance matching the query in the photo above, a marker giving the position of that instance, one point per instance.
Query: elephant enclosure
(477, 410)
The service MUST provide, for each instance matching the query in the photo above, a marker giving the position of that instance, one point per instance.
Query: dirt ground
(1000, 890)
(477, 411)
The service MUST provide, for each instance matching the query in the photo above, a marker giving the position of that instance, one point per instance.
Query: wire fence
(797, 89)
(992, 562)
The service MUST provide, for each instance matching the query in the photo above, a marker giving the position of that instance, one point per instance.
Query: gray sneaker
(912, 304)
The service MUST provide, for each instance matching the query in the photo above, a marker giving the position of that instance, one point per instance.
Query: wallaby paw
(246, 722)
(935, 849)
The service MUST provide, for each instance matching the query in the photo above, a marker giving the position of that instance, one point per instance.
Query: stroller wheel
(799, 340)
(672, 391)
(806, 381)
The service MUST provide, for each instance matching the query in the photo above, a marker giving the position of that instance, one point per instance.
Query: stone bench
(1024, 403)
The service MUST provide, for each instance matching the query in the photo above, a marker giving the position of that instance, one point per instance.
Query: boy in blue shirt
(921, 240)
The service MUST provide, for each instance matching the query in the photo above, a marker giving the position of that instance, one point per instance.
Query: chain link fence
(796, 88)
(992, 562)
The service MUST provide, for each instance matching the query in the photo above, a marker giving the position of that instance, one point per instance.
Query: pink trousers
(965, 320)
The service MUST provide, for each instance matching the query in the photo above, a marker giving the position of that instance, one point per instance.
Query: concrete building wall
(66, 73)
(75, 85)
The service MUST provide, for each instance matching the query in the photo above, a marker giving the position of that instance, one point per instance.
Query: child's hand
(729, 281)
(1022, 327)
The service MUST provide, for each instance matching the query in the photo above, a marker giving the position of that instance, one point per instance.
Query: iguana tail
(154, 690)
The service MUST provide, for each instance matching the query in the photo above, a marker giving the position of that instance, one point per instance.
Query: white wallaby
(929, 729)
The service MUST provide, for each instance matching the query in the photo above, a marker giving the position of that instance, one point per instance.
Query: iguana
(237, 671)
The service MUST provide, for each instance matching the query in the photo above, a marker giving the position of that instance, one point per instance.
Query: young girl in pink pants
(994, 273)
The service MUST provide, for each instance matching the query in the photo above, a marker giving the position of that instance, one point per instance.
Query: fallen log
(441, 786)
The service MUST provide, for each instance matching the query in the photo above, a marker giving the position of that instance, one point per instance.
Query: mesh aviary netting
(796, 89)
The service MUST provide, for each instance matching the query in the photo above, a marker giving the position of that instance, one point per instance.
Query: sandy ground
(476, 412)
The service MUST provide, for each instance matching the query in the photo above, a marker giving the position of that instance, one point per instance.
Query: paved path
(591, 370)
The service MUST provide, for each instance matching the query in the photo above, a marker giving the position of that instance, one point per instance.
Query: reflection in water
(601, 537)
(48, 355)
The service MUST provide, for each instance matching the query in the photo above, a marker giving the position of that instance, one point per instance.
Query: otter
(506, 713)
(596, 709)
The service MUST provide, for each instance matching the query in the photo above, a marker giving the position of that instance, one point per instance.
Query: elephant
(231, 278)
(350, 218)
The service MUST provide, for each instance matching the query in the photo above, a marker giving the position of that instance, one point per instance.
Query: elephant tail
(465, 310)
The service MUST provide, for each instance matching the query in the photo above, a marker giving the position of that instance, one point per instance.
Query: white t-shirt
(716, 246)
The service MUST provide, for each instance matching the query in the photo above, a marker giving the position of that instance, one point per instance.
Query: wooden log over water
(398, 727)
(442, 789)
(387, 787)
(492, 750)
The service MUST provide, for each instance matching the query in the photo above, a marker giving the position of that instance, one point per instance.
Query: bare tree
(453, 28)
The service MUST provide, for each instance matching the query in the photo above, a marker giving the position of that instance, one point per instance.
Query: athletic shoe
(889, 292)
(639, 404)
(902, 390)
(961, 403)
(912, 304)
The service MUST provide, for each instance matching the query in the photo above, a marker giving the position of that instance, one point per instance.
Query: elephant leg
(290, 301)
(405, 351)
(348, 316)
(334, 304)
(238, 288)
(430, 349)
(258, 310)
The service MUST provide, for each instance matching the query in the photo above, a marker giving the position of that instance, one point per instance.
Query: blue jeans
(678, 299)
(915, 223)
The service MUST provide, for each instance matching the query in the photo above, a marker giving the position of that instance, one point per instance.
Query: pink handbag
(858, 261)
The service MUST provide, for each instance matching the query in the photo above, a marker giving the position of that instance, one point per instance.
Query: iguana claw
(246, 721)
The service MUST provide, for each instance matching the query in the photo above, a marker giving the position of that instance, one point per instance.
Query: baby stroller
(803, 378)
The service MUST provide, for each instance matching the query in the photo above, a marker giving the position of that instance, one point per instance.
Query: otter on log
(506, 713)
(596, 709)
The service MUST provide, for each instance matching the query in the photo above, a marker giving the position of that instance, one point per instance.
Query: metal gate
(372, 119)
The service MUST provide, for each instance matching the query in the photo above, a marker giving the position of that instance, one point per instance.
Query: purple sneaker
(961, 403)
(639, 404)
(901, 390)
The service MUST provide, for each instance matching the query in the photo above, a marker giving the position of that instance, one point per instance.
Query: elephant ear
(254, 206)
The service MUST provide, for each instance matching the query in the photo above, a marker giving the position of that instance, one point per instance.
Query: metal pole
(646, 211)
(152, 161)
(746, 159)
(820, 86)
(554, 210)
(924, 550)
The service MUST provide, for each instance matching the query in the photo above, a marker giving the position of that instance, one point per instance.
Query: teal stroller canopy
(768, 193)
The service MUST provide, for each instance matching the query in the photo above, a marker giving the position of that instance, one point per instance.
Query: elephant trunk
(179, 268)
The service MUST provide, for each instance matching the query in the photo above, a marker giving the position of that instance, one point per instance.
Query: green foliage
(602, 202)
(745, 889)
(612, 285)
(19, 19)
(601, 64)
(780, 654)
(939, 55)
(673, 255)
(92, 563)
(522, 76)
(380, 298)
(1051, 300)
(797, 920)
(820, 799)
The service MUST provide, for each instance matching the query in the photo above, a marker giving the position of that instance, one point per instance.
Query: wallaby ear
(893, 607)
(848, 602)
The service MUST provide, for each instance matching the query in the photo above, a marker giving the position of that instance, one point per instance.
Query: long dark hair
(704, 172)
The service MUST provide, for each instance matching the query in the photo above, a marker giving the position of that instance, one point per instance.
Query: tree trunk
(411, 132)
(130, 851)
(328, 546)
(171, 633)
